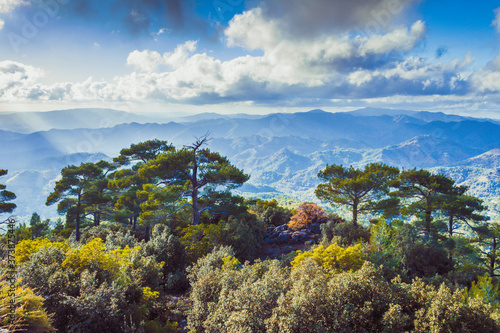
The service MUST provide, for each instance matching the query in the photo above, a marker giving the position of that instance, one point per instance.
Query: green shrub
(266, 297)
(343, 233)
(228, 297)
(167, 248)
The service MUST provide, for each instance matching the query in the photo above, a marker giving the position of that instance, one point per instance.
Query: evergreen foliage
(6, 196)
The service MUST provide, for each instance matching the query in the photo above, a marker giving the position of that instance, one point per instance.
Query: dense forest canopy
(156, 241)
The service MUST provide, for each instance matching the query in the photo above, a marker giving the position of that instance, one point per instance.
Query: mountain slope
(282, 152)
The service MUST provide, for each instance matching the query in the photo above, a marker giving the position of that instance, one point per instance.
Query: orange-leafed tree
(307, 214)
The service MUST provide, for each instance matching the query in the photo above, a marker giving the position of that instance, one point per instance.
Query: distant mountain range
(282, 152)
(29, 122)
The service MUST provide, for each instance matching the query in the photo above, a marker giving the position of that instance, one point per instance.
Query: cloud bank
(332, 52)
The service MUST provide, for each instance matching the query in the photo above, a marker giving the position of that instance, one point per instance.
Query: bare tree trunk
(493, 257)
(196, 214)
(194, 194)
(77, 220)
(355, 213)
(428, 221)
(450, 235)
(97, 219)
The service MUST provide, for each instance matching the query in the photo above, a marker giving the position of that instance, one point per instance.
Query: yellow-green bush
(201, 239)
(27, 247)
(29, 315)
(334, 258)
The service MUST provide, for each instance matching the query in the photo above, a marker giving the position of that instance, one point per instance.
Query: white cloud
(496, 21)
(487, 81)
(16, 79)
(401, 39)
(417, 76)
(8, 5)
(252, 31)
(146, 60)
(180, 55)
(289, 67)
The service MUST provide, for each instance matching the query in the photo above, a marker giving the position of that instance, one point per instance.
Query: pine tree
(359, 189)
(191, 172)
(5, 197)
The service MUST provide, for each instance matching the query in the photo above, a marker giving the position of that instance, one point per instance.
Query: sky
(250, 56)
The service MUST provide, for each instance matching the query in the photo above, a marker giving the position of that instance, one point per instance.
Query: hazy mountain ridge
(281, 152)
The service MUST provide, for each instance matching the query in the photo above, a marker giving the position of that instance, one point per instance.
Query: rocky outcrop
(284, 235)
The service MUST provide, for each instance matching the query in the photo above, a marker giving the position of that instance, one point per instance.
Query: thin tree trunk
(450, 235)
(194, 194)
(96, 219)
(428, 221)
(355, 213)
(493, 257)
(196, 214)
(77, 229)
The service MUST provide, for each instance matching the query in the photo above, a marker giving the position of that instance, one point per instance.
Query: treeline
(155, 241)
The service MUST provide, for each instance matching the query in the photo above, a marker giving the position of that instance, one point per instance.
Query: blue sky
(250, 56)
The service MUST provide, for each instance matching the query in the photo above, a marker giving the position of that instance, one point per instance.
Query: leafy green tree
(359, 189)
(343, 233)
(489, 246)
(98, 197)
(462, 210)
(485, 289)
(424, 193)
(71, 189)
(127, 182)
(22, 231)
(5, 197)
(191, 172)
(142, 152)
(38, 227)
(418, 258)
(167, 248)
(58, 227)
(270, 212)
(381, 237)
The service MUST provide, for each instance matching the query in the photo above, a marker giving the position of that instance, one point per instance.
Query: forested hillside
(156, 240)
